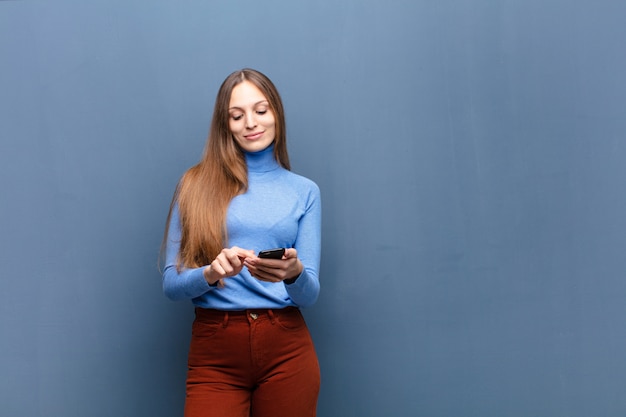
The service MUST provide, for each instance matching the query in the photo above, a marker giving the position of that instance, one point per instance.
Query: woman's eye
(261, 112)
(237, 116)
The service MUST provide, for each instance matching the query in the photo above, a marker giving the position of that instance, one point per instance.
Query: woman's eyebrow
(254, 105)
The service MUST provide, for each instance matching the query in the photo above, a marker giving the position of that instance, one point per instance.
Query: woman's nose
(250, 121)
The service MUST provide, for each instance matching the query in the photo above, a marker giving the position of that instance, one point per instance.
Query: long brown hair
(206, 189)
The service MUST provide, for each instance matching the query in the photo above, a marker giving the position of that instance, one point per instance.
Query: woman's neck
(261, 161)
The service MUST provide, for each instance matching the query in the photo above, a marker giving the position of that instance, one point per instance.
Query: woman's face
(250, 118)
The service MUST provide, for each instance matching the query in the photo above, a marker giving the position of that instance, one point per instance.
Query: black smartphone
(272, 253)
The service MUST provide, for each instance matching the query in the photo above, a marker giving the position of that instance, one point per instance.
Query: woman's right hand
(228, 263)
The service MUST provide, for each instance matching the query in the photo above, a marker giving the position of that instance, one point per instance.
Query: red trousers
(254, 363)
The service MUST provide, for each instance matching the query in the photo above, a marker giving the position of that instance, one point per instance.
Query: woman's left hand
(275, 270)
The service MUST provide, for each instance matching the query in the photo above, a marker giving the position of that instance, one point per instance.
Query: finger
(233, 258)
(291, 253)
(224, 260)
(236, 256)
(242, 253)
(274, 273)
(217, 268)
(257, 269)
(266, 266)
(266, 276)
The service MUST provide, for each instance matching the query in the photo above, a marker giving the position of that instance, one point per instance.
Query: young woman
(251, 353)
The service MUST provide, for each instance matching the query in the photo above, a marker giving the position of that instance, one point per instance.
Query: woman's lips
(254, 136)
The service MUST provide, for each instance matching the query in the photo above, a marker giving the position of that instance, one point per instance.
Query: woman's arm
(298, 269)
(305, 289)
(188, 283)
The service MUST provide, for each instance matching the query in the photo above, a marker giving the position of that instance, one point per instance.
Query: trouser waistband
(208, 314)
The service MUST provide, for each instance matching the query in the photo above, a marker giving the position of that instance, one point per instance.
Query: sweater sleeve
(305, 289)
(188, 283)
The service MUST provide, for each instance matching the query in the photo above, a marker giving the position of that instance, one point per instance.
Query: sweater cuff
(200, 284)
(291, 281)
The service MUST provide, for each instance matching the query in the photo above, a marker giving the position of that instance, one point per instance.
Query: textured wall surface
(471, 160)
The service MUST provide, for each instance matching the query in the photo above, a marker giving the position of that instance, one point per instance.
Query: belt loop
(225, 323)
(271, 314)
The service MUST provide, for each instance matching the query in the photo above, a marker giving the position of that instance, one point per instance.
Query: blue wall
(471, 159)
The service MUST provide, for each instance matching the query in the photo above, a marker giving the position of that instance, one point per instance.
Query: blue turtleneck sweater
(280, 209)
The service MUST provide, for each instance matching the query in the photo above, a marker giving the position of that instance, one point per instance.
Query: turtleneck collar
(262, 161)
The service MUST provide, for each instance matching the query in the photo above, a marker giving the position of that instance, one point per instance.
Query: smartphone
(272, 253)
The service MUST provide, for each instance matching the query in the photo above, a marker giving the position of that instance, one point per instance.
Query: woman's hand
(275, 270)
(228, 263)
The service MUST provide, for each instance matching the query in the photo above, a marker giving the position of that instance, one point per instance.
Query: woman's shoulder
(301, 180)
